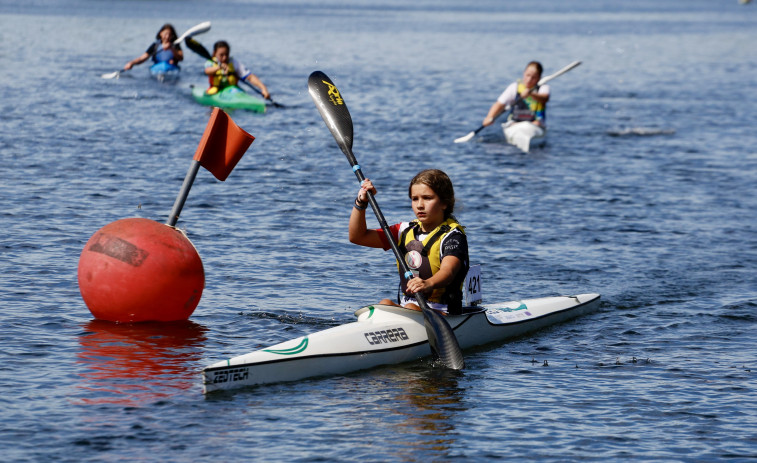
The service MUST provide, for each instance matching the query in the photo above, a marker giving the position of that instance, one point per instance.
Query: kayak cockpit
(370, 311)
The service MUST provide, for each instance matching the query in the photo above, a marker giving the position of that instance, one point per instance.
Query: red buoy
(135, 270)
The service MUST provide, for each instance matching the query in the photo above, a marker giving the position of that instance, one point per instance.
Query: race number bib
(472, 286)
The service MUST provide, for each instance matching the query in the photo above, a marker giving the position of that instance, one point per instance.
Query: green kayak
(231, 97)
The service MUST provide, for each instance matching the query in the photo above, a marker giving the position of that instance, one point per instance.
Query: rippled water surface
(645, 193)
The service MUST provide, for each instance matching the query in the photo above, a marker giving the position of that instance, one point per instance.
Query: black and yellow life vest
(527, 109)
(430, 251)
(223, 79)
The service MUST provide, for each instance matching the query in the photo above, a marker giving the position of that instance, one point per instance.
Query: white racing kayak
(384, 335)
(524, 135)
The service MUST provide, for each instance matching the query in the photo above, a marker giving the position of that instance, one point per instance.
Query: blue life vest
(159, 55)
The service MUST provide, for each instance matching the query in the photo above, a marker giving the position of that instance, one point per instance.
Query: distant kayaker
(532, 104)
(223, 70)
(433, 245)
(162, 50)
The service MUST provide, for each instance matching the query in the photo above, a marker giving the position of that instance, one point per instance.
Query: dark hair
(219, 44)
(170, 28)
(538, 66)
(440, 183)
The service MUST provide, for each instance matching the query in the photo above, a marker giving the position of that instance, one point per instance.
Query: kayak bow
(165, 71)
(524, 135)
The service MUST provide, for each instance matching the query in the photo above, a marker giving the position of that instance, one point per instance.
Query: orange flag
(222, 146)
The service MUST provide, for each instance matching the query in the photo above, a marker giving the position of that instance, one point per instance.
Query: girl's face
(427, 206)
(165, 35)
(222, 55)
(531, 76)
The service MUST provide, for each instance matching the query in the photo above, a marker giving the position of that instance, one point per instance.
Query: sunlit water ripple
(645, 193)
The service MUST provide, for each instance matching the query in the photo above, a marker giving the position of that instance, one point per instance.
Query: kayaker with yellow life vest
(162, 50)
(223, 70)
(433, 245)
(529, 100)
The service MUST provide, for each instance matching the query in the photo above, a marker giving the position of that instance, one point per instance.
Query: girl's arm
(494, 111)
(446, 274)
(138, 60)
(254, 80)
(358, 231)
(540, 97)
(211, 70)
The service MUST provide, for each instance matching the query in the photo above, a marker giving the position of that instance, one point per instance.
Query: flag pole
(182, 198)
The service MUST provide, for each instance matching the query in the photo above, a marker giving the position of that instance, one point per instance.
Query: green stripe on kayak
(294, 350)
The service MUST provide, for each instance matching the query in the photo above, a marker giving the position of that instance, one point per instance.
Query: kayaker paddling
(433, 245)
(223, 71)
(527, 102)
(163, 50)
(528, 99)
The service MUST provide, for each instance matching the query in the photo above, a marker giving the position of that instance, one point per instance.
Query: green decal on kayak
(522, 306)
(294, 350)
(370, 311)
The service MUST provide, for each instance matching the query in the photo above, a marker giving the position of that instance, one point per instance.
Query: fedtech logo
(231, 375)
(334, 96)
(386, 336)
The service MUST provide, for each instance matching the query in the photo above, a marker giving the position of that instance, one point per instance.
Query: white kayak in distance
(384, 335)
(524, 135)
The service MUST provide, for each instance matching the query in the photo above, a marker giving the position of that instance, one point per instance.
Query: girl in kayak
(162, 50)
(223, 70)
(433, 245)
(529, 100)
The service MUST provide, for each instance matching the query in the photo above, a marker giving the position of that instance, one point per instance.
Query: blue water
(645, 193)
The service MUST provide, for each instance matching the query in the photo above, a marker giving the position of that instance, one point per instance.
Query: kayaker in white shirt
(531, 106)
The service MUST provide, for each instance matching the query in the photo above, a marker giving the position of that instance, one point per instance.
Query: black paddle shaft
(331, 106)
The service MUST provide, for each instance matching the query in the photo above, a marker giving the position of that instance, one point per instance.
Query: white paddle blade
(198, 29)
(111, 75)
(465, 138)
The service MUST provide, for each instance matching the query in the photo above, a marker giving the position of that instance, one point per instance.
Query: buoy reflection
(137, 363)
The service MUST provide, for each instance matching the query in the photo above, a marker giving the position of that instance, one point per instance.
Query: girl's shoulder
(403, 225)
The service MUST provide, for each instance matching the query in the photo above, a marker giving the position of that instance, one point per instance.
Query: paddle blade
(111, 75)
(465, 138)
(333, 110)
(197, 47)
(198, 29)
(443, 343)
(222, 146)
